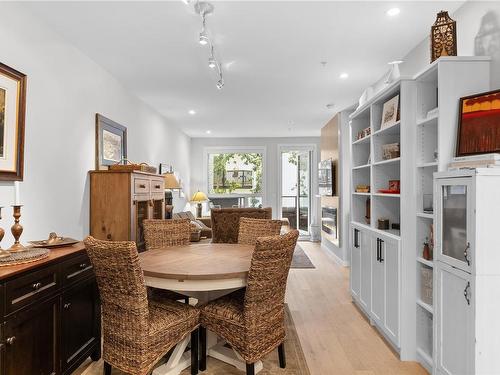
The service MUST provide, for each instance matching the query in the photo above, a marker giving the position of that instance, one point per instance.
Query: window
(235, 178)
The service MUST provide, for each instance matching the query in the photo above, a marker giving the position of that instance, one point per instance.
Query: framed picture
(390, 113)
(479, 124)
(12, 115)
(111, 142)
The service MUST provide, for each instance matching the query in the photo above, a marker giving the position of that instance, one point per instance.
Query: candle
(17, 196)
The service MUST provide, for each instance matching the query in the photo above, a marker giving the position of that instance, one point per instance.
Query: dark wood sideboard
(51, 314)
(121, 200)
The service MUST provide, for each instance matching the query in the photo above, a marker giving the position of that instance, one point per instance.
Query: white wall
(271, 164)
(469, 18)
(65, 90)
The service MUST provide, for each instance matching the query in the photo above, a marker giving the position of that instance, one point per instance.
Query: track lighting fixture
(204, 8)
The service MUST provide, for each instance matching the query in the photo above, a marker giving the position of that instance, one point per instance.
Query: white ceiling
(275, 84)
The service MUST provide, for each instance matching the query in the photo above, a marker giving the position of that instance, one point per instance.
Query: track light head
(220, 84)
(203, 38)
(212, 63)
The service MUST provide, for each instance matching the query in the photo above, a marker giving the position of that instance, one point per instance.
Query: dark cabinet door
(80, 324)
(30, 340)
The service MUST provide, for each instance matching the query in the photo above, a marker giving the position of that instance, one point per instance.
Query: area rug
(300, 259)
(295, 359)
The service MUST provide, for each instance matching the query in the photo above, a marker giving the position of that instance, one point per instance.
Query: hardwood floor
(335, 336)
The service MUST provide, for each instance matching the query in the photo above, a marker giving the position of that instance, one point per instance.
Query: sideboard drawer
(141, 186)
(157, 186)
(76, 269)
(31, 287)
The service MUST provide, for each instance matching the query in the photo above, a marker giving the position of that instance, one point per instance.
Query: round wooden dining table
(205, 272)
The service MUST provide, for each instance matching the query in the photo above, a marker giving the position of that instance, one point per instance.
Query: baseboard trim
(331, 252)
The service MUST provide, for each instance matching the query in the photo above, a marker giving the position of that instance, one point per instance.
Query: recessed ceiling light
(344, 75)
(208, 132)
(192, 112)
(393, 12)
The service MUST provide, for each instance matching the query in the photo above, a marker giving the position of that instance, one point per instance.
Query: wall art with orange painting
(479, 124)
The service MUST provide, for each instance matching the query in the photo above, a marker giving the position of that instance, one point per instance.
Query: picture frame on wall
(390, 113)
(479, 124)
(12, 123)
(111, 143)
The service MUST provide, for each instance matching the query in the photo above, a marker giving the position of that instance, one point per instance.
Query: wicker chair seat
(228, 309)
(169, 322)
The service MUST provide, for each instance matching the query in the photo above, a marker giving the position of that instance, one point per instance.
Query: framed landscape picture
(12, 114)
(479, 124)
(111, 142)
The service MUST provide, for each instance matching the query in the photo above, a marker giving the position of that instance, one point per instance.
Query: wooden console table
(51, 314)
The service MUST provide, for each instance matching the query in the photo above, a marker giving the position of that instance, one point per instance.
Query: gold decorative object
(443, 36)
(3, 253)
(17, 230)
(54, 241)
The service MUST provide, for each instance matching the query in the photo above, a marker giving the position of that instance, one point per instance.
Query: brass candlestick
(3, 253)
(17, 230)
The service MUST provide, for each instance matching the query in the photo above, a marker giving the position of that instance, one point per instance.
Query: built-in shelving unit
(371, 167)
(438, 89)
(426, 133)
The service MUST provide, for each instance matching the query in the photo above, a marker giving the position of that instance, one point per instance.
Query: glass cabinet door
(454, 216)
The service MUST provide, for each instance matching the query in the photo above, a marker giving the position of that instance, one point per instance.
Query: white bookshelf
(426, 133)
(370, 168)
(438, 89)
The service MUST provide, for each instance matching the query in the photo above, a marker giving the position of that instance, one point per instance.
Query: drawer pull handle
(11, 340)
(83, 265)
(37, 286)
(142, 186)
(157, 186)
(67, 305)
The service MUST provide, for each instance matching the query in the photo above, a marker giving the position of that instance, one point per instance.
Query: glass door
(296, 188)
(454, 221)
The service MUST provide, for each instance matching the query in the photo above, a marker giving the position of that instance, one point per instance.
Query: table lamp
(171, 183)
(199, 197)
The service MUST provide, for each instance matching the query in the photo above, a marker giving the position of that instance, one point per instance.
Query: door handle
(356, 238)
(381, 251)
(467, 293)
(466, 253)
(378, 249)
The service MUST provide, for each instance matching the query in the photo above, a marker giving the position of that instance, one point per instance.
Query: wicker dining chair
(250, 229)
(138, 331)
(160, 234)
(226, 221)
(252, 320)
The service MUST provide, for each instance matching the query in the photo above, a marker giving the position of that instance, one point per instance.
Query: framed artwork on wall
(390, 112)
(12, 116)
(479, 124)
(111, 142)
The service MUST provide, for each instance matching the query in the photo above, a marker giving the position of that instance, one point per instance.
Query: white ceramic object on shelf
(394, 72)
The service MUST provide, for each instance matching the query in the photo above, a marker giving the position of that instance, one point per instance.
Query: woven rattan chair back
(264, 303)
(251, 229)
(226, 221)
(123, 294)
(165, 233)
